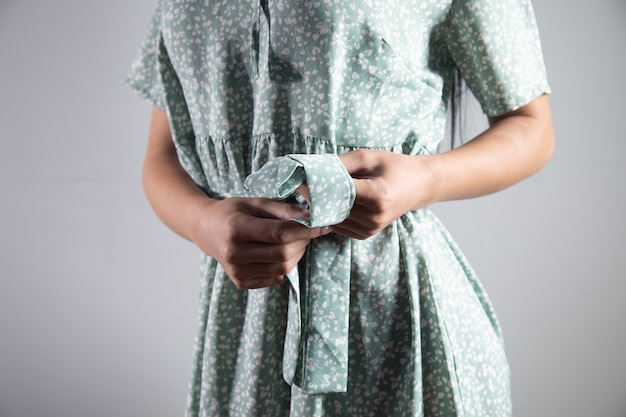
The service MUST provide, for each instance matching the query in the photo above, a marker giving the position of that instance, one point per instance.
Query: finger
(303, 190)
(355, 161)
(353, 230)
(363, 221)
(277, 231)
(368, 192)
(259, 282)
(266, 253)
(266, 208)
(266, 282)
(255, 271)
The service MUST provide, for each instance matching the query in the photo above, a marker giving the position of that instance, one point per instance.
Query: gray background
(98, 299)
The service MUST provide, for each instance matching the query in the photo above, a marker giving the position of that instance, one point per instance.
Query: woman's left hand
(516, 145)
(387, 185)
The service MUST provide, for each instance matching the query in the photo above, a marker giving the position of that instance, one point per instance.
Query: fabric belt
(315, 356)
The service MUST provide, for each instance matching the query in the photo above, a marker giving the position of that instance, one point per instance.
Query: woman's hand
(387, 186)
(516, 145)
(253, 239)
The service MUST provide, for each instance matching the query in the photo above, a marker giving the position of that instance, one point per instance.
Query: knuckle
(231, 229)
(382, 202)
(284, 211)
(239, 283)
(229, 253)
(361, 154)
(277, 235)
(235, 276)
(283, 268)
(286, 253)
(377, 223)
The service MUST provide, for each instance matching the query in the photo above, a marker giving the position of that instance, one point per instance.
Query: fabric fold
(330, 187)
(315, 356)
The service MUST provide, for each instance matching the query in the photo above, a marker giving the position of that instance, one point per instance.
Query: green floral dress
(395, 325)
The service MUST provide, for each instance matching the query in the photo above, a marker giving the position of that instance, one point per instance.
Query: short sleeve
(144, 77)
(495, 44)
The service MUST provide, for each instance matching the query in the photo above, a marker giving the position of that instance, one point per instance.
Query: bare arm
(516, 145)
(173, 195)
(252, 238)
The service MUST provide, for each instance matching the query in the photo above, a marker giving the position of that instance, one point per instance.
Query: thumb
(352, 161)
(358, 163)
(367, 191)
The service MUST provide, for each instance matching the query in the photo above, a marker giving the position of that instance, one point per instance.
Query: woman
(377, 313)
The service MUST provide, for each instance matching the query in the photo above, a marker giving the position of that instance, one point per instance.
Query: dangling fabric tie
(316, 343)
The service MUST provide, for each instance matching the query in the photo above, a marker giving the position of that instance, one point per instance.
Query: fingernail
(326, 230)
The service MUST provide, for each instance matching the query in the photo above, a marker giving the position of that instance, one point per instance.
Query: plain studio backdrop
(98, 298)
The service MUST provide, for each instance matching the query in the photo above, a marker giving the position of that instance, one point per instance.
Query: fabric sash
(315, 356)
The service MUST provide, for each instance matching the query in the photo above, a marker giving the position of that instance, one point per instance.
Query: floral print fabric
(247, 81)
(319, 302)
(330, 187)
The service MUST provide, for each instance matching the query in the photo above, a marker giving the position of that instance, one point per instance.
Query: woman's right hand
(253, 238)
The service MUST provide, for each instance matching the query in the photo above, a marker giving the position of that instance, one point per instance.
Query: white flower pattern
(320, 298)
(247, 81)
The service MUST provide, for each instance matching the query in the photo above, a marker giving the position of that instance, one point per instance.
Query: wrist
(198, 217)
(426, 179)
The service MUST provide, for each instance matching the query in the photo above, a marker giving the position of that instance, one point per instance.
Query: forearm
(513, 148)
(389, 184)
(252, 238)
(173, 195)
